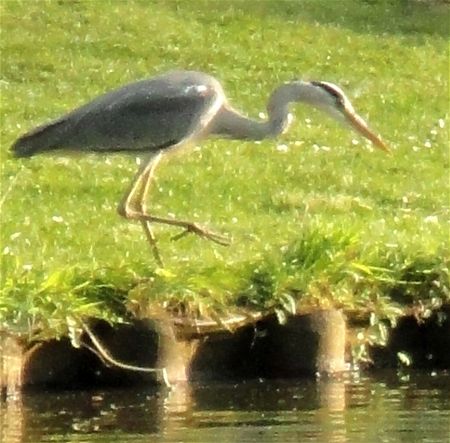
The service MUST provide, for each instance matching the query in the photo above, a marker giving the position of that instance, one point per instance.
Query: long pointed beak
(361, 126)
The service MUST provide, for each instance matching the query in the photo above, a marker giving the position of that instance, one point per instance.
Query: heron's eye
(331, 91)
(339, 101)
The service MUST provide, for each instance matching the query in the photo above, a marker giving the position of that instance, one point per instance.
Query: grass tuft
(318, 219)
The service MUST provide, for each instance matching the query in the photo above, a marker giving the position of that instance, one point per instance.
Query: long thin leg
(135, 198)
(189, 226)
(132, 206)
(148, 175)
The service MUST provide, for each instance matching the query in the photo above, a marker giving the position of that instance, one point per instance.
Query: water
(382, 408)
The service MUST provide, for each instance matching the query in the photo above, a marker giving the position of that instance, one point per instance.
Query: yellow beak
(361, 126)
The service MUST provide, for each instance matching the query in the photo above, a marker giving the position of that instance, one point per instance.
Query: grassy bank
(317, 218)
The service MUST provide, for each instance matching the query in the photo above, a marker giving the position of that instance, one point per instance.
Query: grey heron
(153, 116)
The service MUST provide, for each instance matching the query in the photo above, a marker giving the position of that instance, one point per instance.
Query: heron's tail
(43, 138)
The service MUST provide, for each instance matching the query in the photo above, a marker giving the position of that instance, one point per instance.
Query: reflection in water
(351, 409)
(11, 422)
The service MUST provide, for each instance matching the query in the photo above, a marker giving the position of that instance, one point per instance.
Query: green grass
(327, 223)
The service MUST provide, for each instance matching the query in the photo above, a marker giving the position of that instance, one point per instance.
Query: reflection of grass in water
(325, 223)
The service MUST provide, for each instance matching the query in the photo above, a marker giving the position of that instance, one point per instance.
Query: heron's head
(331, 99)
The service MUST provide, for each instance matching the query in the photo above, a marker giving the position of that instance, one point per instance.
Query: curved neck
(278, 109)
(230, 123)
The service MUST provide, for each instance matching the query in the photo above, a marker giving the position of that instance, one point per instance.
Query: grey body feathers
(147, 115)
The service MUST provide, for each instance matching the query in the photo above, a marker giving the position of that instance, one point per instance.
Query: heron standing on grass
(164, 113)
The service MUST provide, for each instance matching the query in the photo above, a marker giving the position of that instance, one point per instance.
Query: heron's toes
(218, 238)
(194, 228)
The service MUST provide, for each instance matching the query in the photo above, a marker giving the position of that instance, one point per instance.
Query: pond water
(378, 408)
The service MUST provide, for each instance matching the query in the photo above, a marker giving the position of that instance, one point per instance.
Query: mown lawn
(317, 218)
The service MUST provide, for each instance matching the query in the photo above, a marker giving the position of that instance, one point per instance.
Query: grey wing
(146, 115)
(141, 121)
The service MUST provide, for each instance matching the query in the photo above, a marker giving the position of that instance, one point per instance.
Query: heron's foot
(194, 228)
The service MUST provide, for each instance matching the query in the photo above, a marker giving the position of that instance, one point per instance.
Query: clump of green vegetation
(317, 218)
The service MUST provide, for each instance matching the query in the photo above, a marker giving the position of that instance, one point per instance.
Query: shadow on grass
(408, 17)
